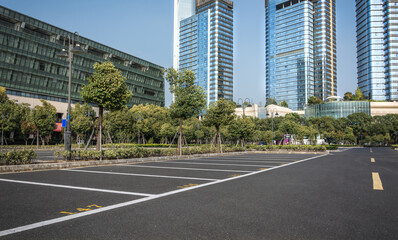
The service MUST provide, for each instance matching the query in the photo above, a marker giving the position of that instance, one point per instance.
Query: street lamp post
(273, 113)
(72, 49)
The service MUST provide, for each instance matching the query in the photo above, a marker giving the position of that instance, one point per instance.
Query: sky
(145, 29)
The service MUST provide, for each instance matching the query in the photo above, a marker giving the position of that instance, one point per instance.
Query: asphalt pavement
(349, 194)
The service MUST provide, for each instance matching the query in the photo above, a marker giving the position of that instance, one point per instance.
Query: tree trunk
(180, 138)
(89, 140)
(37, 139)
(218, 139)
(99, 135)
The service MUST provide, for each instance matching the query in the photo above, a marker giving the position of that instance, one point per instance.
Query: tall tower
(182, 9)
(390, 24)
(300, 48)
(206, 47)
(325, 59)
(370, 48)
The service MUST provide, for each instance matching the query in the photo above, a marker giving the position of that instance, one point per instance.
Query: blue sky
(145, 29)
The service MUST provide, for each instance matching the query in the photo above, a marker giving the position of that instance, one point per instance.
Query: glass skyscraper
(377, 48)
(205, 46)
(370, 49)
(300, 50)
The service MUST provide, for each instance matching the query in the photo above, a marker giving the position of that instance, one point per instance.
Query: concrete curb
(76, 164)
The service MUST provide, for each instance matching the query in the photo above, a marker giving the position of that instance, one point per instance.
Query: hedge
(17, 157)
(309, 148)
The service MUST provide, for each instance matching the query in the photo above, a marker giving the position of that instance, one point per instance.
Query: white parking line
(129, 203)
(77, 188)
(139, 175)
(221, 164)
(193, 169)
(256, 161)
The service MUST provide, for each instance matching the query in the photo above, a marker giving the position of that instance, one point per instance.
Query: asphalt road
(253, 196)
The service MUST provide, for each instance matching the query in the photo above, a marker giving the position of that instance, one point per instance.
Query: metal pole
(272, 116)
(68, 140)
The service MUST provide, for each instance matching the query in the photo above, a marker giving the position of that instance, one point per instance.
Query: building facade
(377, 48)
(300, 48)
(205, 46)
(370, 49)
(339, 109)
(30, 68)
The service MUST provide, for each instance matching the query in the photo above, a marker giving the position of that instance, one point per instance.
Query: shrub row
(310, 148)
(17, 157)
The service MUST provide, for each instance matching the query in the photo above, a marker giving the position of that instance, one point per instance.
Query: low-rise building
(257, 111)
(339, 109)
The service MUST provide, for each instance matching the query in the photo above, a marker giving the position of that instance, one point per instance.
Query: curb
(76, 164)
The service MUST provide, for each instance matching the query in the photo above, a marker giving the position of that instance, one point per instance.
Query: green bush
(17, 157)
(309, 148)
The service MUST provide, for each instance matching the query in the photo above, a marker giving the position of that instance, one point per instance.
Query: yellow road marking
(262, 169)
(283, 164)
(69, 213)
(234, 175)
(188, 185)
(372, 160)
(371, 150)
(377, 185)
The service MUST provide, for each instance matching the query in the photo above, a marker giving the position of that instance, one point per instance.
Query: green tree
(44, 118)
(189, 99)
(220, 113)
(107, 89)
(242, 128)
(359, 122)
(270, 101)
(284, 104)
(3, 95)
(149, 120)
(347, 96)
(358, 96)
(82, 119)
(314, 100)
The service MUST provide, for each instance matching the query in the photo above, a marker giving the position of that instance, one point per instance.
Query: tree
(3, 95)
(242, 128)
(347, 96)
(120, 124)
(149, 120)
(270, 101)
(220, 113)
(284, 104)
(82, 118)
(107, 89)
(44, 118)
(358, 96)
(189, 99)
(314, 100)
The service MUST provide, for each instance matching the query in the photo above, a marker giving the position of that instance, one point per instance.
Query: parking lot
(31, 200)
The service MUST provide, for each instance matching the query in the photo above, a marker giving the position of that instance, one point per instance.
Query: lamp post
(244, 103)
(273, 113)
(72, 49)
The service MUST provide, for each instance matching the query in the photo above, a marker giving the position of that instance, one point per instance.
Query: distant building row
(300, 41)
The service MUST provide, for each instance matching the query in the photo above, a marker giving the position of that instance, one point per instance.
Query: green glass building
(337, 109)
(30, 68)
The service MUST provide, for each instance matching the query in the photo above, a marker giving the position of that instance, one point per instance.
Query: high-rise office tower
(205, 45)
(300, 50)
(370, 49)
(377, 48)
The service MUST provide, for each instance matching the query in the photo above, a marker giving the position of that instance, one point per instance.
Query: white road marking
(129, 203)
(77, 188)
(193, 169)
(258, 161)
(221, 164)
(139, 175)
